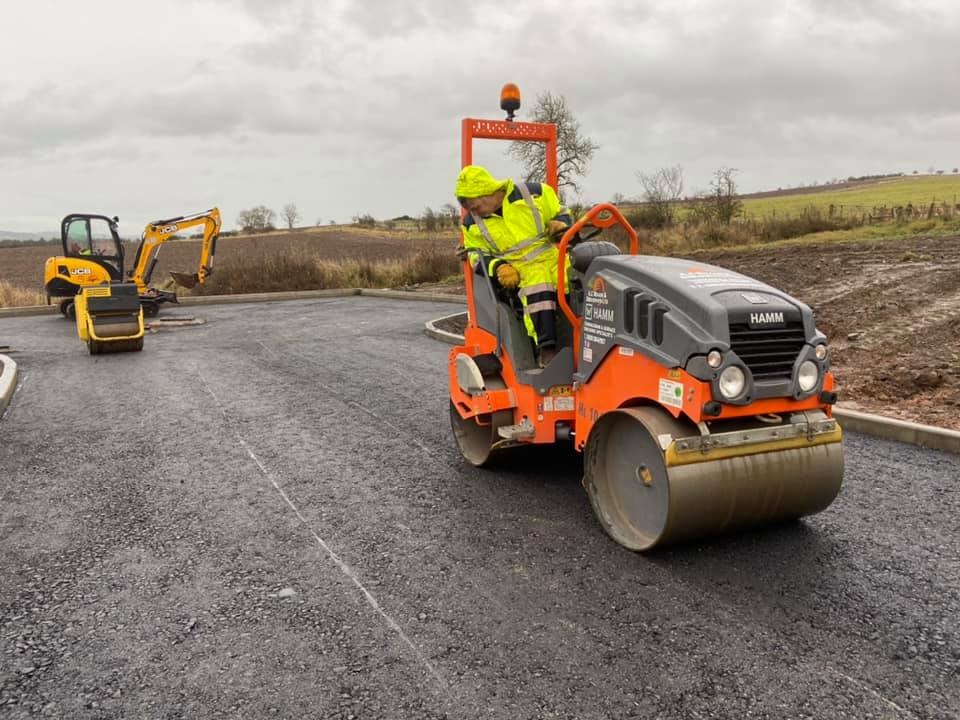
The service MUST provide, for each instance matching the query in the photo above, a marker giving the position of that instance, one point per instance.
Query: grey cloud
(358, 89)
(377, 18)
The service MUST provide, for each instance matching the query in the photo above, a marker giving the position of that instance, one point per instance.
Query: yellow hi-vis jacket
(518, 234)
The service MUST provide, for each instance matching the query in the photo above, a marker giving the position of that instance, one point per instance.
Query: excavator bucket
(653, 479)
(110, 319)
(187, 280)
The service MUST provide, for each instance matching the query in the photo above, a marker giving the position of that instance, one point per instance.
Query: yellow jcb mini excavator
(93, 256)
(700, 397)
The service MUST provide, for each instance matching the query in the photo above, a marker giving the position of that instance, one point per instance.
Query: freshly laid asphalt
(266, 516)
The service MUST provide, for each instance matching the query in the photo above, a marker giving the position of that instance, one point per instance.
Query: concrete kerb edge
(188, 300)
(436, 333)
(408, 295)
(29, 310)
(900, 430)
(8, 381)
(852, 420)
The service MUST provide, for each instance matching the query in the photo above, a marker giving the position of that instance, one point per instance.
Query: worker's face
(485, 205)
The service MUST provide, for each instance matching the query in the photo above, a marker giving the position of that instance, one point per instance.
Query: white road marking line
(866, 688)
(346, 569)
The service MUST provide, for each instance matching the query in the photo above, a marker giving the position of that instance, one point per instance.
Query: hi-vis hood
(475, 181)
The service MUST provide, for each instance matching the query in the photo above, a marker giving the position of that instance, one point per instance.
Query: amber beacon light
(510, 100)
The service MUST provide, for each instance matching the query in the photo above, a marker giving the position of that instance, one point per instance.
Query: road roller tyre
(477, 437)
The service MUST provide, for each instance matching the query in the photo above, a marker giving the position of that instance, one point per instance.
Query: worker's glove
(462, 252)
(507, 276)
(556, 229)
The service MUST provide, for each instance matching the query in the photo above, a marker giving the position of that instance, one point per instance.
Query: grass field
(920, 191)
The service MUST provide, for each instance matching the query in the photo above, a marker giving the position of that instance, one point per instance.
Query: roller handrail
(592, 217)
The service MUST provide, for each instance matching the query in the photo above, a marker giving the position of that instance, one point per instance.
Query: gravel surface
(266, 516)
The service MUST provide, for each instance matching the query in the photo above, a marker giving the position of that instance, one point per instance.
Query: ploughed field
(23, 266)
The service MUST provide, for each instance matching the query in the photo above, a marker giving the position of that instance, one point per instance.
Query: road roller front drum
(645, 494)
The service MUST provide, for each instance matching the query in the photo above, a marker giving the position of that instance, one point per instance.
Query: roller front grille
(769, 353)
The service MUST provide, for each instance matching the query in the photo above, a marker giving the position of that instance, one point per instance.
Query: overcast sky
(150, 109)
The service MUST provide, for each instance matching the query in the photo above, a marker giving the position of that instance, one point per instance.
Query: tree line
(261, 218)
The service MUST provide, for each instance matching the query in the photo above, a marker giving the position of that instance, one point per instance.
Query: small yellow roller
(110, 318)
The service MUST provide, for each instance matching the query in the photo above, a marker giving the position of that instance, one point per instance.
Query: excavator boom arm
(158, 232)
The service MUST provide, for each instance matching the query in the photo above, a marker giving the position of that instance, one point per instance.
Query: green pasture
(920, 191)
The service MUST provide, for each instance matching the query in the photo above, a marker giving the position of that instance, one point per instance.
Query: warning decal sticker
(671, 393)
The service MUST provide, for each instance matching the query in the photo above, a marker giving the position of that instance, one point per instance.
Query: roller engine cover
(675, 311)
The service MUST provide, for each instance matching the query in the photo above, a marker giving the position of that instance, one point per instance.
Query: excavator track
(653, 479)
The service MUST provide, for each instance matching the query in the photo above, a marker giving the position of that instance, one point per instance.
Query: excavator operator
(513, 227)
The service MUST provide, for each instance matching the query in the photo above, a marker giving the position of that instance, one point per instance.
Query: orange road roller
(701, 398)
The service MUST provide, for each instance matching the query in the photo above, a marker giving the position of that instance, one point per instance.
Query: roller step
(523, 431)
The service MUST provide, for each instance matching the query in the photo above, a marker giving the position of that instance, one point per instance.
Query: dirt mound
(891, 311)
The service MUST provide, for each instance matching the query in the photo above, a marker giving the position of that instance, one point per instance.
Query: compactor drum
(701, 397)
(110, 318)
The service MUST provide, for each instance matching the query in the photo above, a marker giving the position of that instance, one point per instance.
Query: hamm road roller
(700, 397)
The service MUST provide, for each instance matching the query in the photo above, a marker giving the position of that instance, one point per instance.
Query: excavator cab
(92, 255)
(94, 238)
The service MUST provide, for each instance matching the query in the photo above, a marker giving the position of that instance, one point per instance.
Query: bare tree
(452, 214)
(618, 198)
(574, 150)
(723, 195)
(256, 218)
(365, 220)
(429, 219)
(291, 215)
(662, 189)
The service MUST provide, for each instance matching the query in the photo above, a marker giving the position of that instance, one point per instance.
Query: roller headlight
(821, 352)
(731, 382)
(714, 359)
(808, 375)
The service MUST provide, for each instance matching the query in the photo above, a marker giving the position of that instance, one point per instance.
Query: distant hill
(26, 236)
